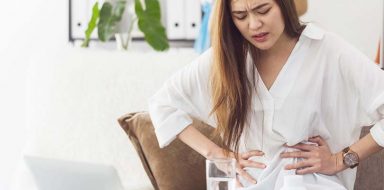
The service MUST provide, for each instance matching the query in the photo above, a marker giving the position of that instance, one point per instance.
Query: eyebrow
(253, 9)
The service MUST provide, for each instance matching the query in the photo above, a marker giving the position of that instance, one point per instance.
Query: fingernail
(254, 181)
(264, 166)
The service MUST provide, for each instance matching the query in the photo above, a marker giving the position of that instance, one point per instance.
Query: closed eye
(240, 16)
(263, 12)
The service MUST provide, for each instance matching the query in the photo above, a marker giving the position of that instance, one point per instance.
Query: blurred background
(32, 31)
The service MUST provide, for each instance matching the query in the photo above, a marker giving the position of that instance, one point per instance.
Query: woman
(285, 98)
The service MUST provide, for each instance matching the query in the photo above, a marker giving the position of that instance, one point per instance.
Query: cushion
(177, 166)
(174, 167)
(301, 6)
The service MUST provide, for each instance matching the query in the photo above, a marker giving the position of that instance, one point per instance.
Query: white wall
(26, 26)
(358, 21)
(29, 26)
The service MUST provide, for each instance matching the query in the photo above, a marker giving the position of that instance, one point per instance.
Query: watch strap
(346, 150)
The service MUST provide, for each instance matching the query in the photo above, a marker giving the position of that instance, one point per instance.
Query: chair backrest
(370, 172)
(174, 167)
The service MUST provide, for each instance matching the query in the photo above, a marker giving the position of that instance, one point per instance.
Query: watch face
(350, 159)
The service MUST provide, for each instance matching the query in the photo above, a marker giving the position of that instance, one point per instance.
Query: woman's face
(259, 21)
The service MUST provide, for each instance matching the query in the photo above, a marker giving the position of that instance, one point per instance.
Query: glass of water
(221, 174)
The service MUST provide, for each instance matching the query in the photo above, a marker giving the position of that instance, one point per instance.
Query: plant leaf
(91, 25)
(149, 22)
(110, 16)
(153, 8)
(139, 8)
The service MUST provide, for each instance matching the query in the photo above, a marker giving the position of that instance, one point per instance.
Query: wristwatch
(350, 158)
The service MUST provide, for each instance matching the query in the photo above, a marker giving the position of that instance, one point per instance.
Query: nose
(254, 22)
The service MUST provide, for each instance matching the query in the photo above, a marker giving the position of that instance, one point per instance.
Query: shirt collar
(313, 32)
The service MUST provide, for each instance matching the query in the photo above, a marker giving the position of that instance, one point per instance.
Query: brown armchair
(177, 166)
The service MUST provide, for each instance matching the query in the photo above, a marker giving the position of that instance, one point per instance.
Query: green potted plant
(108, 17)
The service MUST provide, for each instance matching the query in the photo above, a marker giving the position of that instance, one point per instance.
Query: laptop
(53, 174)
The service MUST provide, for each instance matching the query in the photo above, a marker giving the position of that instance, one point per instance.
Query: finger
(295, 154)
(247, 155)
(246, 176)
(319, 140)
(253, 164)
(238, 184)
(308, 170)
(299, 165)
(304, 147)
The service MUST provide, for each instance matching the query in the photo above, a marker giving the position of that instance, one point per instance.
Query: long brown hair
(231, 89)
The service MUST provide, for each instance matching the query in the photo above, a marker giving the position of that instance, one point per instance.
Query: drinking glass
(221, 174)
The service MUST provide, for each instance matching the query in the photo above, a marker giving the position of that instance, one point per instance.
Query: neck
(283, 46)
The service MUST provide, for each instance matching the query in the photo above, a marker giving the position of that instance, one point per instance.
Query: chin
(262, 47)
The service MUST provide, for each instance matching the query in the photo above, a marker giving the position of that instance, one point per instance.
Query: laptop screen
(56, 174)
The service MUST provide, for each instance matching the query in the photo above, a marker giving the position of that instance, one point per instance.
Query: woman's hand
(317, 158)
(243, 162)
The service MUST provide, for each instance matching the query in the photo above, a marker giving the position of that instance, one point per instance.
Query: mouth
(261, 37)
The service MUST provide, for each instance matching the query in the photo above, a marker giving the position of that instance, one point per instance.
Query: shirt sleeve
(366, 81)
(183, 96)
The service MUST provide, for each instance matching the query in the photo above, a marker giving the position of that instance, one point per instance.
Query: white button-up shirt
(326, 88)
